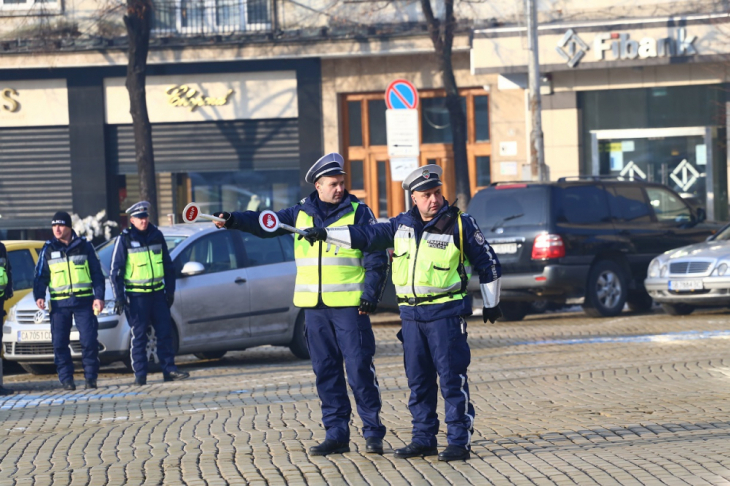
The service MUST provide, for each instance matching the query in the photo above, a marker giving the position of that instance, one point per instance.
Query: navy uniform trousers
(62, 319)
(334, 334)
(431, 348)
(145, 309)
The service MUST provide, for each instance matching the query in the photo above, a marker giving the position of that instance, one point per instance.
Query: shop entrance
(680, 158)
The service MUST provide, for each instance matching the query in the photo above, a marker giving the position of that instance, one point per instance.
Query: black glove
(170, 300)
(366, 306)
(492, 314)
(314, 234)
(119, 306)
(225, 215)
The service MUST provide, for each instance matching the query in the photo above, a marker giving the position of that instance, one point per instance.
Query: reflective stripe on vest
(70, 277)
(144, 271)
(428, 269)
(338, 278)
(3, 276)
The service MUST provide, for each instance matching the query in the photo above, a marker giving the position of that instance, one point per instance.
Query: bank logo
(572, 48)
(684, 175)
(632, 171)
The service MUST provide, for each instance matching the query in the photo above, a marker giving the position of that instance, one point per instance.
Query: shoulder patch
(479, 238)
(302, 201)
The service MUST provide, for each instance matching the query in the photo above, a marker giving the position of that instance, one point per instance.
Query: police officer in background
(338, 291)
(143, 279)
(6, 293)
(435, 248)
(69, 268)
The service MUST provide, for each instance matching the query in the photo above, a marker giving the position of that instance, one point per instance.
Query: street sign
(401, 128)
(401, 95)
(400, 167)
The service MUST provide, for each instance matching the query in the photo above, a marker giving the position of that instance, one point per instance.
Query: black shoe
(69, 385)
(140, 380)
(5, 392)
(373, 445)
(415, 450)
(90, 384)
(329, 447)
(454, 453)
(175, 375)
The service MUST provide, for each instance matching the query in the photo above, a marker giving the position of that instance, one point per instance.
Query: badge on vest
(438, 245)
(55, 254)
(135, 244)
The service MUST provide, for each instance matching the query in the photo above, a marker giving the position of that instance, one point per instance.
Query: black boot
(373, 445)
(69, 385)
(416, 450)
(140, 380)
(329, 447)
(454, 453)
(175, 376)
(90, 384)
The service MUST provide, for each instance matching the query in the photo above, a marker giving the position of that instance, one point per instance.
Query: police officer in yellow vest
(6, 292)
(435, 249)
(143, 280)
(69, 269)
(338, 290)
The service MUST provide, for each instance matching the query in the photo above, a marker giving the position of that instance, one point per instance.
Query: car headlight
(722, 269)
(654, 268)
(108, 309)
(663, 271)
(12, 313)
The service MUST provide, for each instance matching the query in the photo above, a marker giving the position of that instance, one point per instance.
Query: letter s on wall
(14, 104)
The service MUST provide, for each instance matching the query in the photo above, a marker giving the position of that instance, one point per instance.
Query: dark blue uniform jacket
(77, 246)
(482, 258)
(152, 236)
(9, 271)
(375, 262)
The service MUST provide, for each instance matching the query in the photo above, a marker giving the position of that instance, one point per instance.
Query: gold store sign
(189, 97)
(8, 103)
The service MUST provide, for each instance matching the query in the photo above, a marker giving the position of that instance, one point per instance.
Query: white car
(234, 291)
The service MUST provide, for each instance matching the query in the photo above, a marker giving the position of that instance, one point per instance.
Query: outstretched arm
(372, 237)
(375, 262)
(248, 221)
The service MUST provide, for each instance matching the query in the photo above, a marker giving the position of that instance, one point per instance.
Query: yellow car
(23, 256)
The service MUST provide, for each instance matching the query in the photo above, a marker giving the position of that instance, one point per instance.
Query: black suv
(586, 240)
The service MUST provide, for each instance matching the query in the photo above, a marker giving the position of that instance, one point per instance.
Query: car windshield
(723, 234)
(501, 208)
(106, 249)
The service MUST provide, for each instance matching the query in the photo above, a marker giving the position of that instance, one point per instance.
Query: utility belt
(430, 298)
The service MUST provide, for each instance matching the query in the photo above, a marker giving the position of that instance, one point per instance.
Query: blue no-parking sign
(401, 95)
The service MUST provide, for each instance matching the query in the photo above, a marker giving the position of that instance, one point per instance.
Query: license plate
(504, 248)
(679, 285)
(25, 336)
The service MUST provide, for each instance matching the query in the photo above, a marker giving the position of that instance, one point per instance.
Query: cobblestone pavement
(560, 399)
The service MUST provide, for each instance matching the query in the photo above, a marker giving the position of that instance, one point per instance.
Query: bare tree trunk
(139, 25)
(442, 36)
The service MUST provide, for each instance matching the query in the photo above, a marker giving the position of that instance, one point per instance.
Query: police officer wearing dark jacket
(338, 291)
(6, 293)
(435, 249)
(143, 279)
(69, 269)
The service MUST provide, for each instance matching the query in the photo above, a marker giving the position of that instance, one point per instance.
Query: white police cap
(139, 210)
(423, 178)
(328, 165)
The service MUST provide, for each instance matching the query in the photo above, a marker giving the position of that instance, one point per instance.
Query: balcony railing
(202, 17)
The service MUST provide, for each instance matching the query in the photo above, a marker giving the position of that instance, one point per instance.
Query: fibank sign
(614, 46)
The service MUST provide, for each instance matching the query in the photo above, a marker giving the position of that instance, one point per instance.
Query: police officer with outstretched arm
(69, 268)
(6, 293)
(338, 291)
(143, 280)
(435, 248)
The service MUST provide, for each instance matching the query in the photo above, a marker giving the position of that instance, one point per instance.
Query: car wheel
(39, 369)
(513, 311)
(210, 354)
(640, 302)
(298, 344)
(606, 291)
(539, 306)
(678, 309)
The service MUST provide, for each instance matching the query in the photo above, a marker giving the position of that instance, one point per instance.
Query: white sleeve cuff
(490, 293)
(339, 236)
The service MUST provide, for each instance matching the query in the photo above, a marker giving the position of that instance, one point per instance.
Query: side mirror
(701, 215)
(192, 268)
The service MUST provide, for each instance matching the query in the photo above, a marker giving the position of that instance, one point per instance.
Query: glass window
(628, 204)
(582, 205)
(357, 177)
(435, 123)
(667, 206)
(484, 171)
(257, 11)
(510, 206)
(245, 190)
(287, 245)
(382, 190)
(354, 123)
(481, 118)
(376, 122)
(215, 252)
(23, 268)
(260, 251)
